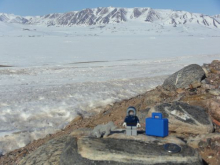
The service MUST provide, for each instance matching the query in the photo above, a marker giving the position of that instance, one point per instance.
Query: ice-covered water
(61, 72)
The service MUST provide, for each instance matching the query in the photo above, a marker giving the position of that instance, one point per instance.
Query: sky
(42, 7)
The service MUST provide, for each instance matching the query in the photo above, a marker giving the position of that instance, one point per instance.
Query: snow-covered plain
(60, 72)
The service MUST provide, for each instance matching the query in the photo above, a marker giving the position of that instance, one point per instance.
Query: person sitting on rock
(131, 122)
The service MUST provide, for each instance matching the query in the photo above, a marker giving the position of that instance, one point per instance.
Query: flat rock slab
(185, 118)
(142, 137)
(133, 152)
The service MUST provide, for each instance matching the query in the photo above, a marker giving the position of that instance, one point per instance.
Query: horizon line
(104, 7)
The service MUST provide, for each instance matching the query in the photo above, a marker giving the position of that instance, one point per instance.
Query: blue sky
(42, 7)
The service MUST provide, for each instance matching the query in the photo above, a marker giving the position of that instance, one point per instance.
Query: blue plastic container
(157, 126)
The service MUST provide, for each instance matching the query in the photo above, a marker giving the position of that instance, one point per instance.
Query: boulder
(184, 118)
(192, 74)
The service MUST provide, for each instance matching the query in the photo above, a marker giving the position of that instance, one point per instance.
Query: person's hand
(124, 124)
(138, 125)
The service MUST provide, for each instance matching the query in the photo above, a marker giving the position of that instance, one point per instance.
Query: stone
(208, 86)
(184, 77)
(103, 129)
(206, 70)
(195, 84)
(184, 118)
(120, 134)
(195, 142)
(208, 146)
(215, 92)
(214, 109)
(179, 90)
(216, 71)
(215, 62)
(48, 153)
(134, 152)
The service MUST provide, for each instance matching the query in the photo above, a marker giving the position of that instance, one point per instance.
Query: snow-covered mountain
(217, 17)
(106, 15)
(11, 18)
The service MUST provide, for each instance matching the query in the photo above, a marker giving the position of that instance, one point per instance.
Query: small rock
(214, 109)
(215, 63)
(216, 71)
(208, 86)
(215, 92)
(203, 144)
(103, 130)
(195, 84)
(179, 90)
(202, 140)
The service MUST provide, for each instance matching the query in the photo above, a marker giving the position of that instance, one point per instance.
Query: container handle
(157, 114)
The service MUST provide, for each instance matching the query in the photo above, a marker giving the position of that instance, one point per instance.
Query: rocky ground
(190, 99)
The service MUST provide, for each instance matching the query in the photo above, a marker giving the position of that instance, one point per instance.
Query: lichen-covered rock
(185, 118)
(185, 77)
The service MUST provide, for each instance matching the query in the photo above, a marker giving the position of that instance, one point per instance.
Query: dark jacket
(131, 120)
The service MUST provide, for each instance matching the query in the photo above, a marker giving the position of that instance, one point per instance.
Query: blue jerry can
(157, 126)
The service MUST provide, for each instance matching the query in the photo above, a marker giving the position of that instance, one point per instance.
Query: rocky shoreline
(189, 99)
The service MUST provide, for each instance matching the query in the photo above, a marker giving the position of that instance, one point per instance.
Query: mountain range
(107, 15)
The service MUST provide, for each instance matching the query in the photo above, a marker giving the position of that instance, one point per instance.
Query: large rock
(123, 151)
(48, 153)
(117, 149)
(185, 77)
(184, 118)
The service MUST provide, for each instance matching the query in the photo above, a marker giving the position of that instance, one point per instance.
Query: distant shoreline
(4, 66)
